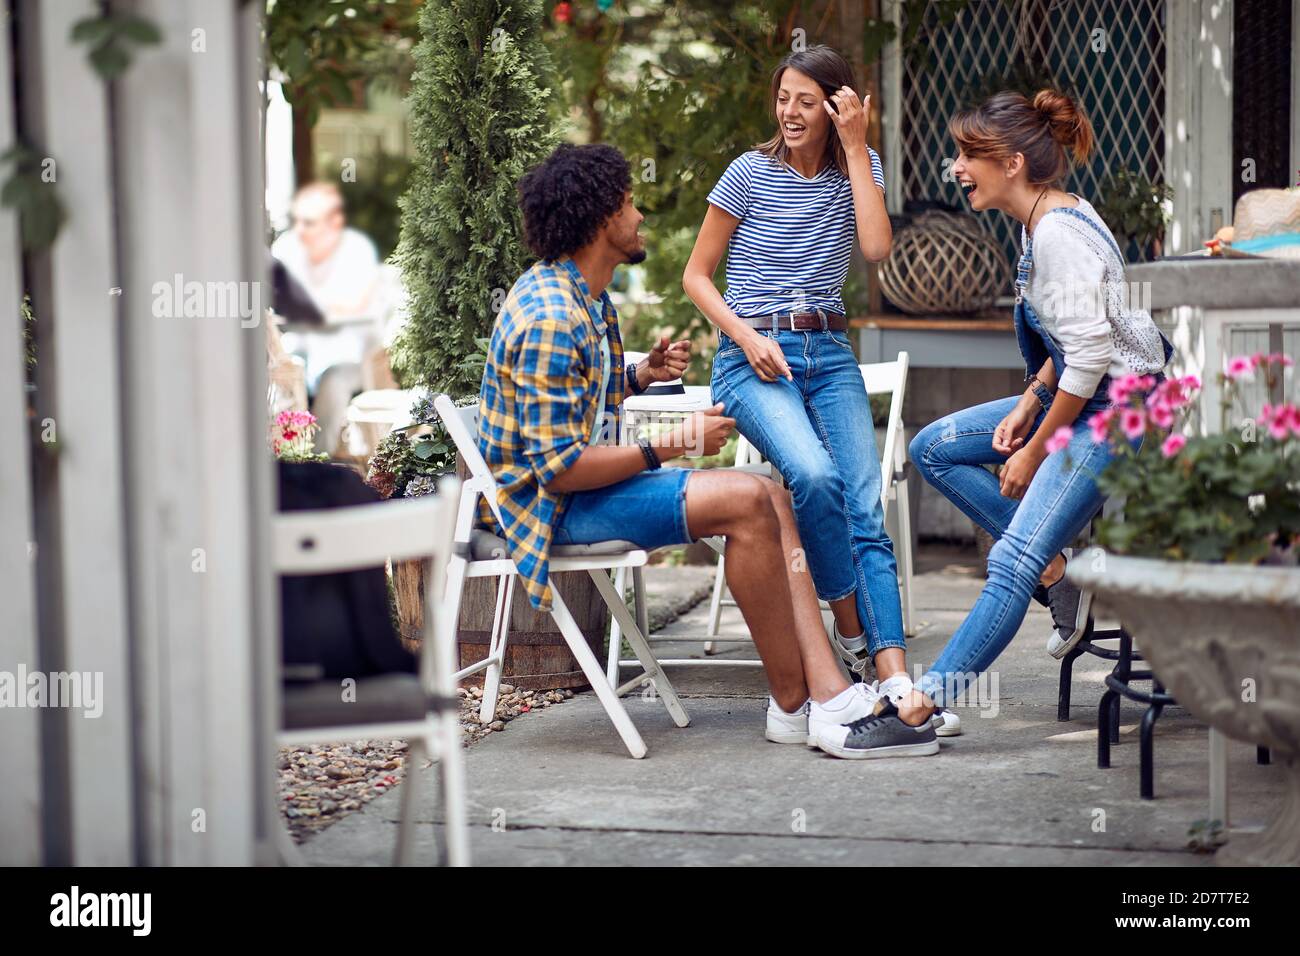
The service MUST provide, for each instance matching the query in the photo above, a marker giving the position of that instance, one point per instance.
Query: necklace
(1029, 223)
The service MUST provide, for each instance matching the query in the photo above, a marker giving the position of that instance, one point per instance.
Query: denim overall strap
(1036, 343)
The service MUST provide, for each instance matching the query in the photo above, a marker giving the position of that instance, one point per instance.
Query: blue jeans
(648, 509)
(1060, 501)
(817, 432)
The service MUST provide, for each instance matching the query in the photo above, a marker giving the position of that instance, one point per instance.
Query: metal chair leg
(1104, 713)
(1063, 686)
(1146, 761)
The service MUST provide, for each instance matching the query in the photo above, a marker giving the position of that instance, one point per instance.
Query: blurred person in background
(339, 268)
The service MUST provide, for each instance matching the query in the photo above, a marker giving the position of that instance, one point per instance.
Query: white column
(1198, 120)
(20, 820)
(69, 103)
(198, 473)
(891, 112)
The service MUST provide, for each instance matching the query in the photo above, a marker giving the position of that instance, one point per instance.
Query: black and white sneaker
(853, 652)
(1071, 608)
(880, 734)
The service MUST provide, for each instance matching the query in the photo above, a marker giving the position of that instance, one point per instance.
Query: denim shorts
(648, 509)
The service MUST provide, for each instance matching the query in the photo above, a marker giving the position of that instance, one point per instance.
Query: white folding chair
(420, 708)
(891, 377)
(879, 377)
(482, 554)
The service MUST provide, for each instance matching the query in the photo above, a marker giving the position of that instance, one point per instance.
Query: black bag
(335, 625)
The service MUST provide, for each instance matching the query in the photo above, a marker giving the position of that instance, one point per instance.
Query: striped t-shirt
(790, 252)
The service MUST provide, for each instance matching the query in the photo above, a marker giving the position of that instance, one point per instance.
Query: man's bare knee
(778, 493)
(744, 498)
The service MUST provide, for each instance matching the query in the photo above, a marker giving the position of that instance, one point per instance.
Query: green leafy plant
(681, 86)
(479, 120)
(331, 53)
(293, 435)
(1135, 207)
(372, 199)
(409, 461)
(29, 333)
(112, 39)
(1232, 496)
(30, 191)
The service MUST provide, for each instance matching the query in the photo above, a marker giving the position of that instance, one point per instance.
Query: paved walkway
(1017, 788)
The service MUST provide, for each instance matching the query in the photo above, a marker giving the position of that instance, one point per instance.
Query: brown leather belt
(798, 322)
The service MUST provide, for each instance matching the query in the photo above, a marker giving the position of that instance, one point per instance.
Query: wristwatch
(1041, 392)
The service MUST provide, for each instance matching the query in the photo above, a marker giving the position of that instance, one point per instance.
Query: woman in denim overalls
(1014, 155)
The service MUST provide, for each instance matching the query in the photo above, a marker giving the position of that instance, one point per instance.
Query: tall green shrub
(479, 120)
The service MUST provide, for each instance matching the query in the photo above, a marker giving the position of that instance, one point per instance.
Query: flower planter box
(1225, 640)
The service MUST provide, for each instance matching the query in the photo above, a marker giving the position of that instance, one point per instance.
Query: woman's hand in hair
(850, 118)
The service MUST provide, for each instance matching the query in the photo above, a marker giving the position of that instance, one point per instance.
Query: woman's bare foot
(1055, 571)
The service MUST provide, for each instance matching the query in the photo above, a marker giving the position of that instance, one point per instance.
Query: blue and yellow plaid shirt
(537, 406)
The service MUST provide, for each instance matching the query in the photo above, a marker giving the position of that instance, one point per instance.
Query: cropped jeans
(817, 432)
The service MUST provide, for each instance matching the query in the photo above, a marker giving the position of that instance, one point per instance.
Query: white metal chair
(422, 709)
(879, 378)
(482, 554)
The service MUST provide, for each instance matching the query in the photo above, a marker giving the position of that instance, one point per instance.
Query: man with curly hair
(552, 392)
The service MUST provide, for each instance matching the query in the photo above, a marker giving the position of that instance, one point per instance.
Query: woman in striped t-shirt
(786, 214)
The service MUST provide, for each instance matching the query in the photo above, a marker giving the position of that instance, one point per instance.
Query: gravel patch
(320, 784)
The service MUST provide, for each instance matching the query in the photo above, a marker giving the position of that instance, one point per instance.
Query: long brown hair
(1049, 131)
(825, 67)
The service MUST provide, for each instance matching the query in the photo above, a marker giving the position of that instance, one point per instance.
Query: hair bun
(1066, 122)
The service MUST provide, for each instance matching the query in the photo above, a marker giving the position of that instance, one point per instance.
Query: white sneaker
(861, 704)
(946, 724)
(852, 650)
(896, 687)
(783, 728)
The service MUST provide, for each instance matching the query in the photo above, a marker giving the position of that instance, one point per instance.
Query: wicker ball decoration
(944, 264)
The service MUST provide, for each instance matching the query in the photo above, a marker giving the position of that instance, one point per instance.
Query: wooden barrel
(537, 656)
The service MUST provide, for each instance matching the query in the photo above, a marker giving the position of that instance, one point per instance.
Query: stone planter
(1225, 640)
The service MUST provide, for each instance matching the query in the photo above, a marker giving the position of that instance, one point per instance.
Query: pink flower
(1190, 382)
(1161, 412)
(1122, 387)
(1060, 439)
(1173, 445)
(1239, 367)
(1280, 420)
(1133, 422)
(1100, 425)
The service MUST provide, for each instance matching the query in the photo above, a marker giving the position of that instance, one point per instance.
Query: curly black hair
(569, 195)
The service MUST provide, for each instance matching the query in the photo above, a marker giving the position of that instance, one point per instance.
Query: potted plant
(1202, 568)
(293, 437)
(1136, 208)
